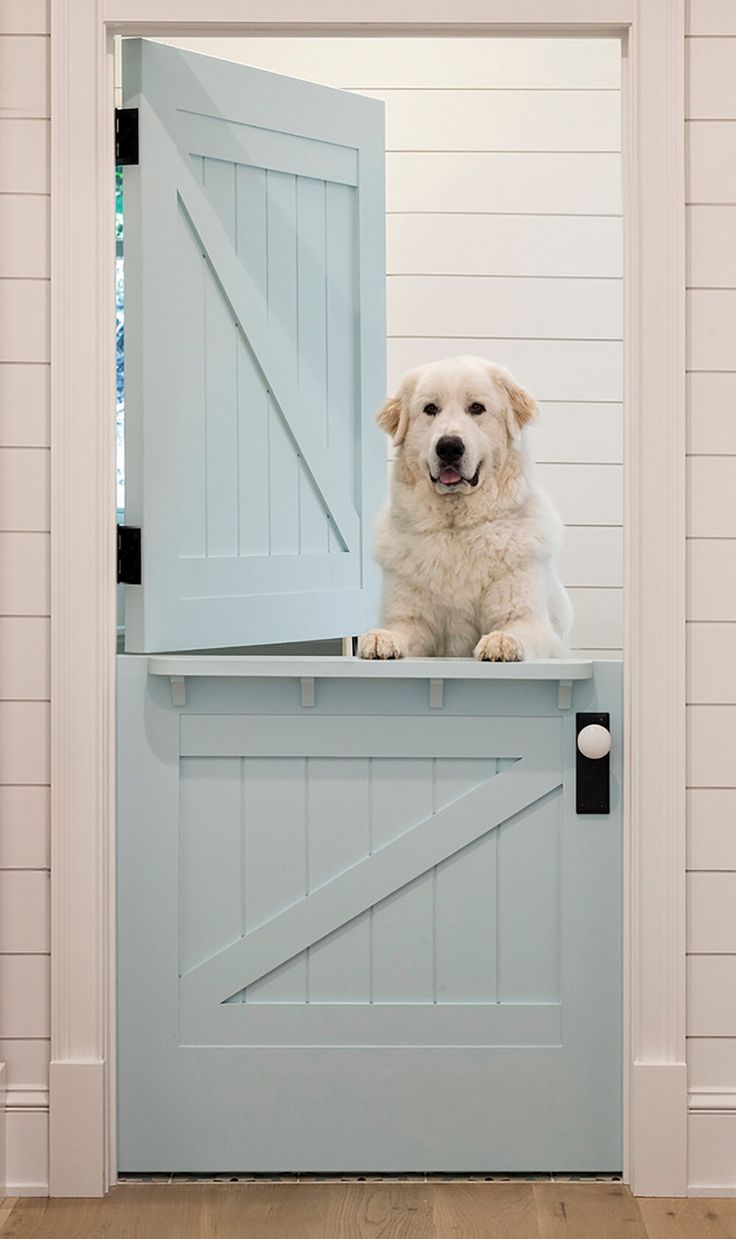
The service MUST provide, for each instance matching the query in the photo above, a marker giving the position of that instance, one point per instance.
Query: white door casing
(83, 540)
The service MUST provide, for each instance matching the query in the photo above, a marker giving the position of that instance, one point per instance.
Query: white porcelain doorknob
(594, 741)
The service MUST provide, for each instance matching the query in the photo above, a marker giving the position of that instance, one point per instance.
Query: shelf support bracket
(436, 694)
(564, 695)
(178, 690)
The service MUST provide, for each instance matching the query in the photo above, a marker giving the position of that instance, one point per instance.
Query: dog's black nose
(449, 449)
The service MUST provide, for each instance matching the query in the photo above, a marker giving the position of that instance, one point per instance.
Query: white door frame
(82, 1086)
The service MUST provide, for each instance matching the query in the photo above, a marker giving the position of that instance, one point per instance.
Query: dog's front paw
(379, 643)
(499, 647)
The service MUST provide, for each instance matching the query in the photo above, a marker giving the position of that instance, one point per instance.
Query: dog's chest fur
(451, 572)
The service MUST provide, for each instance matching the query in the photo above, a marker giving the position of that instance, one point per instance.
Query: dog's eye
(431, 409)
(476, 408)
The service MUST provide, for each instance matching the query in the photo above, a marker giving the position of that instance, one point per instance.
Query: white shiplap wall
(504, 239)
(24, 586)
(711, 215)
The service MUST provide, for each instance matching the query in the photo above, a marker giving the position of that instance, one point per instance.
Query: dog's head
(456, 421)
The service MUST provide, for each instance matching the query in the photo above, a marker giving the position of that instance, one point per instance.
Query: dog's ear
(522, 408)
(394, 418)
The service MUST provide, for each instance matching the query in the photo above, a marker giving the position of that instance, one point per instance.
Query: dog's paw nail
(499, 647)
(378, 643)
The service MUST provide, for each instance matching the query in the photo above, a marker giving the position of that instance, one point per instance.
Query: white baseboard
(659, 1129)
(727, 1190)
(27, 1189)
(712, 1100)
(77, 1128)
(3, 1135)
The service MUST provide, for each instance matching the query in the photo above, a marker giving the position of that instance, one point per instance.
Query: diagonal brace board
(368, 882)
(268, 344)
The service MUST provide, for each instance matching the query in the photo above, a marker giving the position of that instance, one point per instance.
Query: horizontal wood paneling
(585, 494)
(711, 816)
(598, 618)
(24, 828)
(578, 434)
(711, 732)
(24, 996)
(551, 64)
(711, 79)
(24, 573)
(711, 494)
(711, 17)
(24, 752)
(712, 995)
(24, 911)
(711, 329)
(24, 156)
(711, 162)
(557, 370)
(24, 235)
(537, 184)
(24, 320)
(24, 77)
(592, 556)
(711, 666)
(711, 407)
(711, 579)
(445, 305)
(24, 489)
(712, 1062)
(711, 247)
(24, 658)
(711, 663)
(26, 1062)
(24, 17)
(711, 922)
(478, 244)
(501, 120)
(24, 405)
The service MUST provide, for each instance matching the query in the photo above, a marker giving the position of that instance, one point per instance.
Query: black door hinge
(129, 555)
(126, 135)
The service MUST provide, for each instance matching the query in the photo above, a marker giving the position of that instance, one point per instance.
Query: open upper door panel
(254, 352)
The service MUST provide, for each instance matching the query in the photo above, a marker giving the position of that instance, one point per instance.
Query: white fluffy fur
(467, 569)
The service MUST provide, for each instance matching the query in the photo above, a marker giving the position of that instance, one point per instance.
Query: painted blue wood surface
(255, 353)
(368, 934)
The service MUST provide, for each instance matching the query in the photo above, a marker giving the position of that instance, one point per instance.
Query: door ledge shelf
(436, 670)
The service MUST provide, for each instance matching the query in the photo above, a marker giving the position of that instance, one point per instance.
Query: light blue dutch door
(362, 926)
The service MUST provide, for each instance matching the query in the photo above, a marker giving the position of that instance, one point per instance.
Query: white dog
(467, 540)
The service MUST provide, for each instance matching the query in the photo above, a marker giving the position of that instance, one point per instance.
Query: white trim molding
(82, 1153)
(654, 592)
(3, 1134)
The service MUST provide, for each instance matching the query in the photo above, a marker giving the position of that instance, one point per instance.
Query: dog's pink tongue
(449, 475)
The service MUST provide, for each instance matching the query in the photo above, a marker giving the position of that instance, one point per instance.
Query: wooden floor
(372, 1210)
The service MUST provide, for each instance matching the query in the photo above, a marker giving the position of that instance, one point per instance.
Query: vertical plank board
(338, 806)
(209, 857)
(465, 898)
(220, 345)
(191, 266)
(312, 347)
(219, 183)
(282, 306)
(402, 965)
(274, 860)
(529, 894)
(342, 362)
(253, 409)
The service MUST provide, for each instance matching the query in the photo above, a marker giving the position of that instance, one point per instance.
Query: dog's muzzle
(451, 477)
